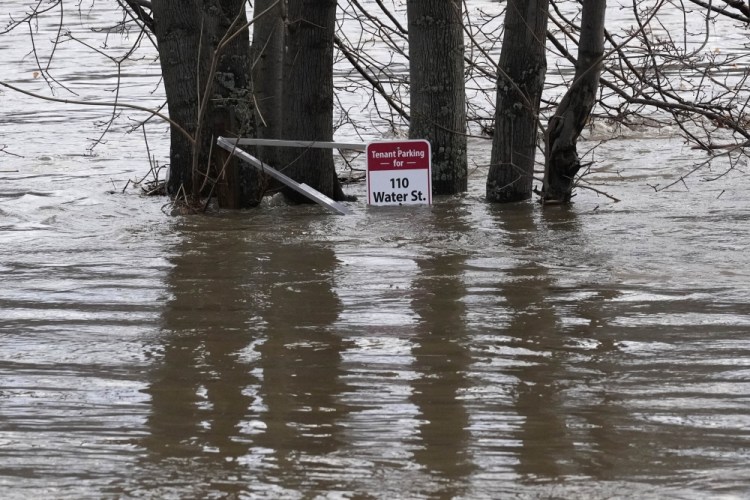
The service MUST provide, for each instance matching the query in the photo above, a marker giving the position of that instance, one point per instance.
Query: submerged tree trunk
(308, 95)
(438, 98)
(188, 33)
(562, 162)
(178, 27)
(230, 104)
(268, 74)
(521, 73)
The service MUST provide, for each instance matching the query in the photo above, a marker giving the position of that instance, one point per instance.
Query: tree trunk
(521, 73)
(268, 75)
(188, 33)
(438, 97)
(230, 106)
(177, 27)
(562, 162)
(308, 95)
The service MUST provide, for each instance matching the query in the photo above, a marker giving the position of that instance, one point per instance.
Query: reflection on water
(546, 450)
(196, 385)
(250, 369)
(442, 362)
(300, 362)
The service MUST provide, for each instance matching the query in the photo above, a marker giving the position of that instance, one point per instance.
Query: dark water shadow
(442, 360)
(301, 366)
(201, 384)
(249, 370)
(564, 431)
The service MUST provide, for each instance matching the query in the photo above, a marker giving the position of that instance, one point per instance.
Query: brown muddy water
(459, 351)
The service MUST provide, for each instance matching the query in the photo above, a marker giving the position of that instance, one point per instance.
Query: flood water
(459, 351)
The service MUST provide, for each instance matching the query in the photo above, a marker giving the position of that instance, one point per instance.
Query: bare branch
(101, 103)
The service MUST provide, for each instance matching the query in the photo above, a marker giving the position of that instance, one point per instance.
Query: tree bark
(521, 73)
(561, 159)
(268, 75)
(177, 27)
(308, 95)
(230, 107)
(188, 33)
(437, 92)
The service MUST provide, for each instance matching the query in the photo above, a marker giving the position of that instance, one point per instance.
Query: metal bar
(298, 144)
(303, 189)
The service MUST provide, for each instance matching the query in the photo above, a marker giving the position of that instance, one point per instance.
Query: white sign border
(428, 169)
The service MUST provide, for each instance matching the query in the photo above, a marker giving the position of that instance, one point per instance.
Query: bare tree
(307, 104)
(437, 92)
(655, 77)
(268, 74)
(561, 157)
(520, 83)
(204, 53)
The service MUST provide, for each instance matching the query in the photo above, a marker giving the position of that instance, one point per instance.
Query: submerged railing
(231, 145)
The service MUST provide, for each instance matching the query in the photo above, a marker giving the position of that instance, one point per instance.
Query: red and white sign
(399, 173)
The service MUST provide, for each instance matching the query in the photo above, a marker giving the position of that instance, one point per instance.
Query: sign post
(399, 173)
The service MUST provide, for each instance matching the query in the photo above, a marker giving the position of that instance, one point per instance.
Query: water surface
(459, 351)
